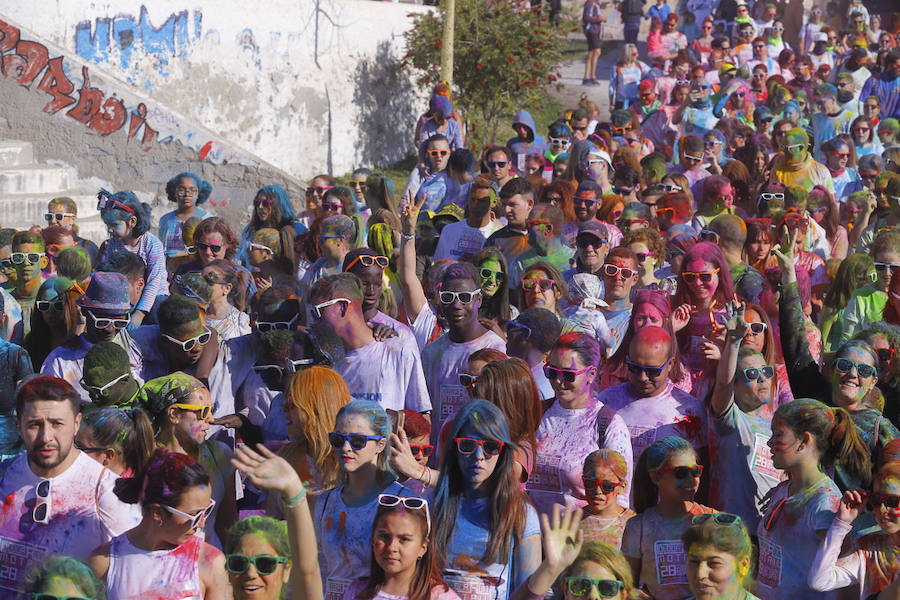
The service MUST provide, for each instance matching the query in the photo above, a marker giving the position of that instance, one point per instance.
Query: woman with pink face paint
(873, 563)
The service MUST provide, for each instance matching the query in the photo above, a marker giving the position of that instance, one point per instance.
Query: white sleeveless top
(163, 574)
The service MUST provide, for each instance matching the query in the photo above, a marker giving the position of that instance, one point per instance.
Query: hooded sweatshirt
(532, 142)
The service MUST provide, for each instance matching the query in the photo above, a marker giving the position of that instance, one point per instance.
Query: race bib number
(15, 558)
(670, 562)
(470, 243)
(762, 458)
(470, 586)
(769, 563)
(545, 475)
(452, 397)
(335, 588)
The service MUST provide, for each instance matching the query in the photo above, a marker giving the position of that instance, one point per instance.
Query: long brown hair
(566, 190)
(510, 385)
(428, 568)
(832, 220)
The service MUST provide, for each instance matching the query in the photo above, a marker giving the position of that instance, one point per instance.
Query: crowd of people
(655, 356)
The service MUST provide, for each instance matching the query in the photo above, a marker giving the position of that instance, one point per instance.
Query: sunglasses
(559, 141)
(721, 518)
(771, 196)
(290, 365)
(539, 223)
(516, 327)
(101, 390)
(424, 450)
(190, 344)
(18, 258)
(708, 235)
(756, 328)
(496, 164)
(490, 274)
(613, 271)
(103, 323)
(448, 298)
(885, 266)
(568, 375)
(261, 247)
(591, 241)
(317, 309)
(88, 449)
(845, 365)
(650, 372)
(877, 500)
(41, 512)
(408, 502)
(264, 326)
(582, 586)
(317, 190)
(885, 354)
(357, 441)
(333, 206)
(47, 305)
(580, 201)
(214, 248)
(534, 284)
(683, 472)
(58, 217)
(367, 260)
(467, 380)
(266, 202)
(641, 256)
(198, 520)
(705, 276)
(468, 446)
(265, 564)
(606, 486)
(105, 200)
(438, 153)
(759, 374)
(203, 412)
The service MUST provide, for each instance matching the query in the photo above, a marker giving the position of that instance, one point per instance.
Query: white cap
(821, 37)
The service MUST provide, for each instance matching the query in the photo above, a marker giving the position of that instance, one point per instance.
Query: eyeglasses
(333, 206)
(190, 344)
(605, 485)
(468, 446)
(516, 327)
(722, 518)
(449, 298)
(58, 217)
(41, 512)
(845, 365)
(357, 441)
(879, 266)
(490, 274)
(438, 153)
(214, 248)
(758, 46)
(367, 260)
(651, 372)
(48, 305)
(265, 564)
(424, 450)
(497, 164)
(534, 284)
(18, 258)
(877, 500)
(409, 502)
(582, 586)
(103, 323)
(759, 374)
(190, 249)
(558, 373)
(101, 390)
(756, 328)
(771, 196)
(316, 190)
(105, 200)
(264, 326)
(198, 520)
(559, 141)
(862, 129)
(317, 309)
(613, 271)
(683, 472)
(581, 201)
(704, 276)
(885, 354)
(467, 380)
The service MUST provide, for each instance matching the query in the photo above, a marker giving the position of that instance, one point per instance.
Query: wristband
(408, 236)
(293, 502)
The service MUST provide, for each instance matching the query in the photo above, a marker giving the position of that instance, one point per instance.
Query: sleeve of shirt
(631, 539)
(156, 273)
(116, 516)
(829, 573)
(165, 223)
(23, 366)
(851, 319)
(417, 397)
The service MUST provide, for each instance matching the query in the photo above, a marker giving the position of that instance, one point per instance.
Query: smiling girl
(718, 557)
(127, 221)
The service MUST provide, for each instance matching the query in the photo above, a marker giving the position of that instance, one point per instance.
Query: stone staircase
(26, 185)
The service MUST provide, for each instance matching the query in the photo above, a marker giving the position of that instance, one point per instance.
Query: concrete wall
(244, 93)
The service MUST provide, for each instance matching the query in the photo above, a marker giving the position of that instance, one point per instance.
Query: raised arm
(271, 472)
(413, 293)
(736, 329)
(561, 541)
(827, 571)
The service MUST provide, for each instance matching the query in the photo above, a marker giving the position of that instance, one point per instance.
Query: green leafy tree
(504, 60)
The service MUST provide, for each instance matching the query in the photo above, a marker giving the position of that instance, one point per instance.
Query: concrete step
(21, 211)
(35, 179)
(14, 153)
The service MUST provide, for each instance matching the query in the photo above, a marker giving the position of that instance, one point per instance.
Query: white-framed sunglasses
(188, 345)
(261, 247)
(102, 389)
(317, 309)
(198, 520)
(409, 502)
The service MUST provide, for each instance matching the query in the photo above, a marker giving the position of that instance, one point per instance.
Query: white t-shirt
(443, 360)
(423, 326)
(388, 372)
(564, 438)
(543, 384)
(671, 412)
(461, 241)
(67, 361)
(84, 513)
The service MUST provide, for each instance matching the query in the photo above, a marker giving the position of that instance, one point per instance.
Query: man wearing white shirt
(464, 239)
(57, 500)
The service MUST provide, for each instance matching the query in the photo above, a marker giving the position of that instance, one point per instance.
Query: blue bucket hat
(107, 291)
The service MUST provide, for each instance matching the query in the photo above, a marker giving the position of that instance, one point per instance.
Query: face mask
(844, 96)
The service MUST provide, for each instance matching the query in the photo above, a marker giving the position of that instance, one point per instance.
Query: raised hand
(561, 536)
(784, 251)
(402, 459)
(409, 216)
(736, 327)
(852, 503)
(267, 470)
(681, 316)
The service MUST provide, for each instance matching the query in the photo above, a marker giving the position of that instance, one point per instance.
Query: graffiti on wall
(28, 63)
(122, 35)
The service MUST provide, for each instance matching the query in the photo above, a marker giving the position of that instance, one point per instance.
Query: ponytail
(140, 441)
(127, 431)
(646, 494)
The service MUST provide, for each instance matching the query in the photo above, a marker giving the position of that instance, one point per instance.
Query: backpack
(632, 7)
